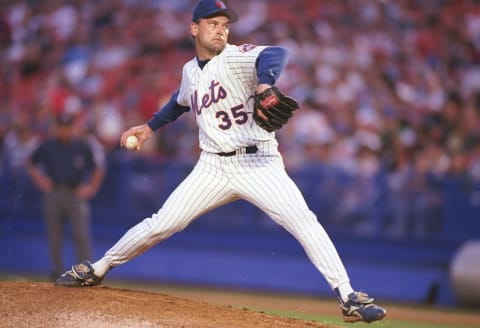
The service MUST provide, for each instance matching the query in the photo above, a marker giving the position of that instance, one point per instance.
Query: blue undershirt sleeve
(270, 64)
(168, 113)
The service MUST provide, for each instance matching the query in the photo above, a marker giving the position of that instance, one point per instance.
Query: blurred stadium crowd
(385, 86)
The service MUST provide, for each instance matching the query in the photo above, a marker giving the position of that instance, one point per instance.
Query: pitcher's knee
(160, 229)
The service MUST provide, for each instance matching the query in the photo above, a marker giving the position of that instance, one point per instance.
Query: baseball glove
(275, 106)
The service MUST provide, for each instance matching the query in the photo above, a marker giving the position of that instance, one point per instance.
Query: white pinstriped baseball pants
(258, 178)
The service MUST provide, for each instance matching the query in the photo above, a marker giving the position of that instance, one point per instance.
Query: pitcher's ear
(194, 29)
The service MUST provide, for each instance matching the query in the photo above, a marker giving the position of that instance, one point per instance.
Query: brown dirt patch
(427, 315)
(37, 304)
(40, 304)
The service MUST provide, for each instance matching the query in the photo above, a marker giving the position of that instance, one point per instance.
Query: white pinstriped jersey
(219, 96)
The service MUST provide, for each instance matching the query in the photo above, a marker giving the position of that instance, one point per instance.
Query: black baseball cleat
(81, 275)
(360, 307)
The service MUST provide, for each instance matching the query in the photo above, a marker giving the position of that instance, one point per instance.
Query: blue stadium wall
(237, 246)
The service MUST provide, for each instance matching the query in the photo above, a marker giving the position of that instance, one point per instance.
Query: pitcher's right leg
(203, 189)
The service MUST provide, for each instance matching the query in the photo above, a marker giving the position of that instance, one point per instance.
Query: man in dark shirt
(65, 169)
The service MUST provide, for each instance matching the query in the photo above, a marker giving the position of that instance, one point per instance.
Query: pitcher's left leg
(272, 190)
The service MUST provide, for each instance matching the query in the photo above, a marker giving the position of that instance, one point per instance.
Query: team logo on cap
(220, 4)
(246, 47)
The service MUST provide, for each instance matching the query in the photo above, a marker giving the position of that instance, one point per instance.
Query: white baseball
(131, 142)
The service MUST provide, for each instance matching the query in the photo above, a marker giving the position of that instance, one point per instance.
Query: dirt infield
(36, 304)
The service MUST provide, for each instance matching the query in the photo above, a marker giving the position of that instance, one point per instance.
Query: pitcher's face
(211, 36)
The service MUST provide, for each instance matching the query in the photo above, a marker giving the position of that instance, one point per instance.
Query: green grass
(386, 323)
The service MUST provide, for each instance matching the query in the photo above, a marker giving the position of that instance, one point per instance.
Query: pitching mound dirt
(32, 304)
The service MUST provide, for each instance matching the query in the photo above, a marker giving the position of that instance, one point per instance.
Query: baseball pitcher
(231, 91)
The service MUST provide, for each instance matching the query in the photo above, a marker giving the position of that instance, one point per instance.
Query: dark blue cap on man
(211, 8)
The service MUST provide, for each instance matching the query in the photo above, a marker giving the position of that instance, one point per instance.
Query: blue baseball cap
(211, 8)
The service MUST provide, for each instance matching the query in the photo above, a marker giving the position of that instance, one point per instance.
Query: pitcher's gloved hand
(276, 107)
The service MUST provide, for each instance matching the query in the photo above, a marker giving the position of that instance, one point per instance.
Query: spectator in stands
(68, 171)
(18, 145)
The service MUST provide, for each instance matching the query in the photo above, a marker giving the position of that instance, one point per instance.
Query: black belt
(248, 150)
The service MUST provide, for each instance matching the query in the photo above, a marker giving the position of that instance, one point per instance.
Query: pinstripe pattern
(228, 68)
(218, 95)
(203, 189)
(270, 188)
(258, 178)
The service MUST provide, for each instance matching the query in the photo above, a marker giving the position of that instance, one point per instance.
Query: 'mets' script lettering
(217, 93)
